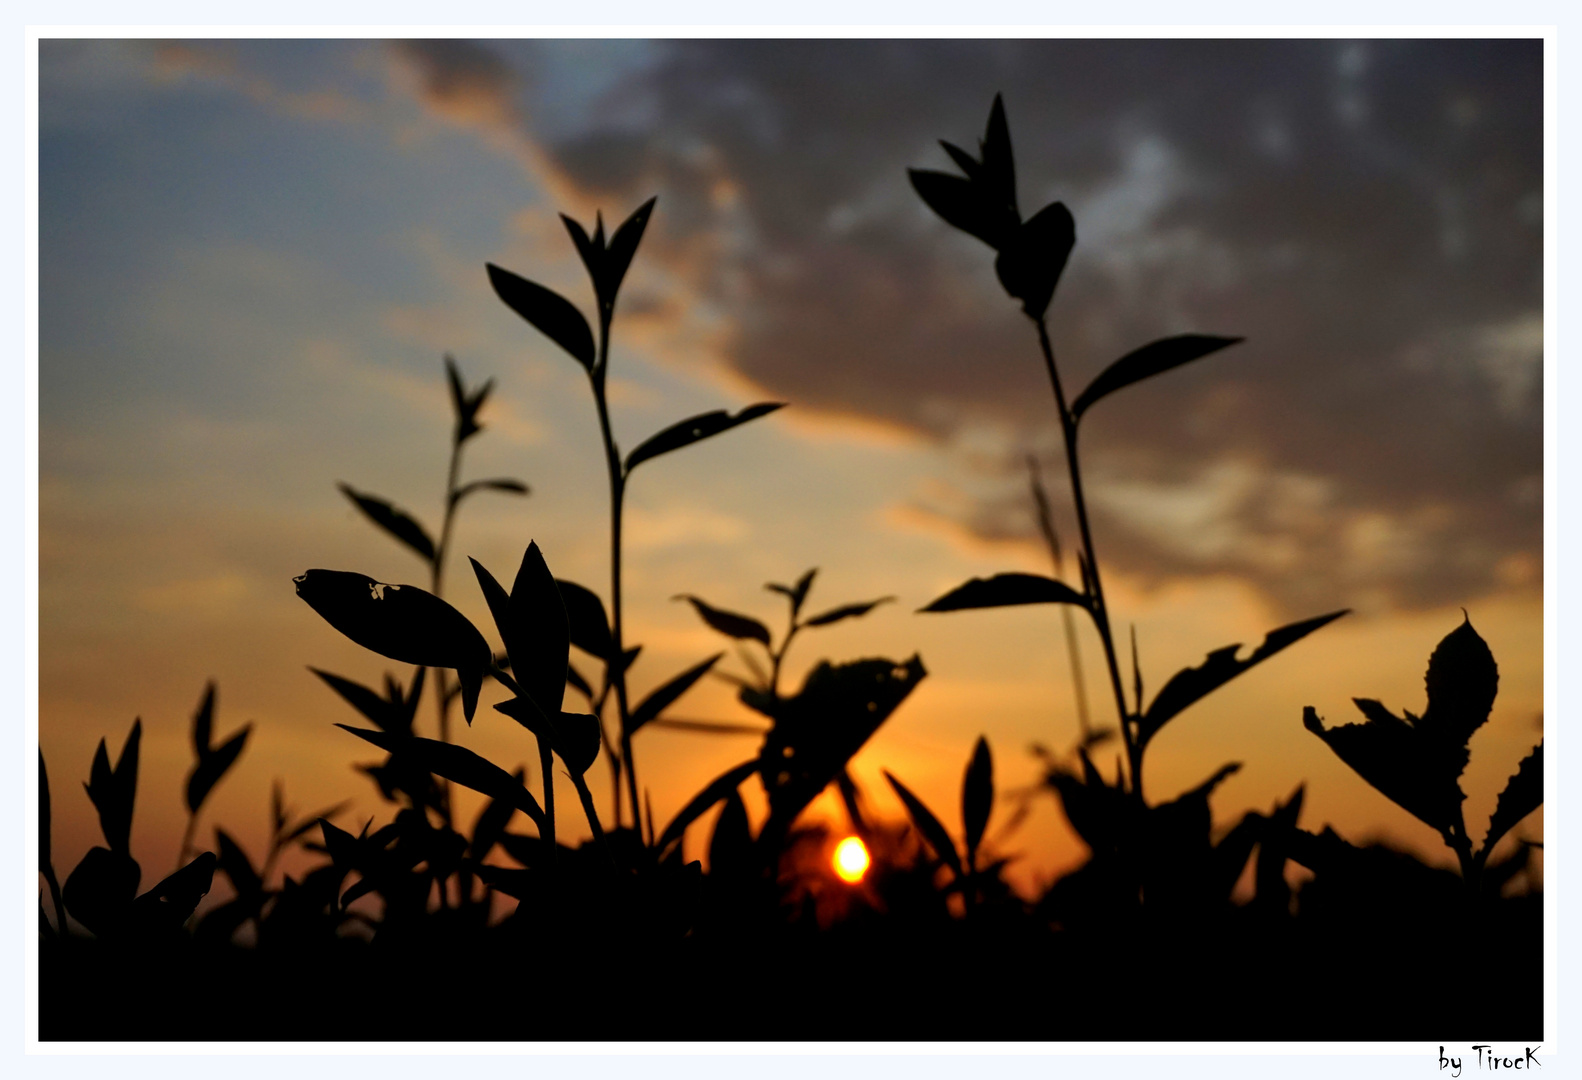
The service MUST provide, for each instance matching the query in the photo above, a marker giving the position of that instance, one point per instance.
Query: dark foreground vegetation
(423, 926)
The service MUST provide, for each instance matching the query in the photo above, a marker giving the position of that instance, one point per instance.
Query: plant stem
(546, 762)
(436, 583)
(186, 839)
(612, 458)
(1097, 609)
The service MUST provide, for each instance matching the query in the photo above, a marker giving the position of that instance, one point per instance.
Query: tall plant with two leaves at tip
(1030, 256)
(607, 260)
(466, 403)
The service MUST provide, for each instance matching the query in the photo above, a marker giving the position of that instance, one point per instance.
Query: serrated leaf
(585, 618)
(212, 766)
(977, 797)
(1414, 772)
(458, 765)
(550, 313)
(397, 523)
(401, 622)
(719, 788)
(847, 611)
(1221, 666)
(928, 825)
(696, 429)
(1462, 681)
(655, 703)
(1152, 359)
(1033, 257)
(729, 623)
(1007, 590)
(1524, 793)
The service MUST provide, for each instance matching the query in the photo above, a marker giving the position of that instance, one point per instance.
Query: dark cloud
(465, 82)
(1367, 214)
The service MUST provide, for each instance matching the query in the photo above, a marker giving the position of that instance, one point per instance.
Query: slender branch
(1097, 609)
(1046, 525)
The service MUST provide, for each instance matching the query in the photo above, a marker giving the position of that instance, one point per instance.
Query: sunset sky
(253, 255)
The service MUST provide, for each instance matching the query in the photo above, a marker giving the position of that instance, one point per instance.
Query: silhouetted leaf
(235, 865)
(465, 405)
(585, 617)
(212, 766)
(928, 825)
(1417, 773)
(961, 202)
(655, 703)
(728, 622)
(170, 903)
(517, 884)
(818, 731)
(513, 487)
(402, 622)
(590, 249)
(695, 429)
(1524, 793)
(1152, 359)
(1007, 590)
(618, 257)
(577, 682)
(977, 798)
(1188, 686)
(552, 314)
(492, 822)
(720, 787)
(397, 523)
(577, 740)
(114, 792)
(391, 716)
(730, 848)
(203, 722)
(1462, 681)
(847, 611)
(1033, 257)
(795, 593)
(458, 765)
(533, 625)
(100, 890)
(999, 168)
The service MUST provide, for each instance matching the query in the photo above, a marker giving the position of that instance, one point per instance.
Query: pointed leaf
(1221, 666)
(397, 523)
(458, 765)
(235, 865)
(212, 766)
(513, 487)
(1523, 794)
(968, 164)
(719, 788)
(964, 204)
(623, 245)
(577, 682)
(1033, 257)
(532, 624)
(977, 797)
(402, 622)
(1462, 681)
(591, 253)
(203, 722)
(655, 703)
(114, 792)
(552, 314)
(170, 903)
(928, 825)
(388, 715)
(730, 848)
(729, 623)
(1007, 590)
(848, 611)
(492, 822)
(696, 429)
(585, 618)
(1160, 356)
(999, 169)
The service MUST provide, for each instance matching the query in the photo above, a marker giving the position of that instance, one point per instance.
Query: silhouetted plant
(466, 404)
(558, 319)
(213, 763)
(1417, 761)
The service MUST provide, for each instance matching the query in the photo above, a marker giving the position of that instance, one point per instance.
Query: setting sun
(851, 860)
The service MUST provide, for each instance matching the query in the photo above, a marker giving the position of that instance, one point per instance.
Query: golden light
(851, 860)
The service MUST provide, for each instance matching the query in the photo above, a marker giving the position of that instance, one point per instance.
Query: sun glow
(851, 860)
